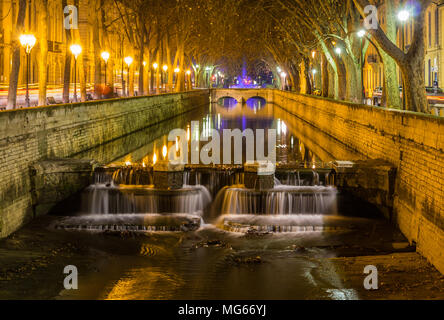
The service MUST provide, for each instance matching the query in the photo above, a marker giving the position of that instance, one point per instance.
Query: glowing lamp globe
(75, 50)
(128, 61)
(105, 56)
(28, 41)
(403, 15)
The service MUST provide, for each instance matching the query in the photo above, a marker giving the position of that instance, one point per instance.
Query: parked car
(435, 95)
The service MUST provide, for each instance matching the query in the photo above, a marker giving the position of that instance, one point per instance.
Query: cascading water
(108, 204)
(299, 202)
(281, 200)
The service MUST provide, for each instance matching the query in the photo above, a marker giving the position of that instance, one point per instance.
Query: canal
(213, 238)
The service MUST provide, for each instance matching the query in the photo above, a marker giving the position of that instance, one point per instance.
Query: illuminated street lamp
(177, 70)
(361, 33)
(28, 42)
(284, 76)
(338, 50)
(76, 50)
(189, 79)
(105, 57)
(165, 68)
(155, 65)
(128, 60)
(403, 15)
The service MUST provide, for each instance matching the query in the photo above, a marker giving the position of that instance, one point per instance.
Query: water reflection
(256, 103)
(290, 149)
(227, 102)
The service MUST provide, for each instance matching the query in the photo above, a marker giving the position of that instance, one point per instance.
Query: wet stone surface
(213, 264)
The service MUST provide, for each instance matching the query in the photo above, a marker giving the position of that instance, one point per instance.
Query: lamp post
(189, 80)
(207, 78)
(28, 42)
(105, 57)
(165, 68)
(284, 76)
(76, 50)
(128, 61)
(176, 71)
(361, 34)
(314, 71)
(155, 67)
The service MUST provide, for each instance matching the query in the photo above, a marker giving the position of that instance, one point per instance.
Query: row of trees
(202, 35)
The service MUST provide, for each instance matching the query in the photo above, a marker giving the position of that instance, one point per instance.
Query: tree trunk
(353, 83)
(393, 99)
(159, 65)
(68, 58)
(95, 26)
(43, 43)
(15, 65)
(341, 79)
(332, 81)
(308, 87)
(81, 74)
(410, 63)
(181, 75)
(324, 75)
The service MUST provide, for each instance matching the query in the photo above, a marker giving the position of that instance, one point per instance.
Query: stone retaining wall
(34, 134)
(412, 142)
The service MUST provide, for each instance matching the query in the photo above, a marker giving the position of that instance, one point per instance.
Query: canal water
(213, 238)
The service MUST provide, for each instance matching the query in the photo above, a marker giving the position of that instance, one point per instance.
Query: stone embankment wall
(413, 143)
(28, 136)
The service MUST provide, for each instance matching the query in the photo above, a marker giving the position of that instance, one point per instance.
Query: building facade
(434, 51)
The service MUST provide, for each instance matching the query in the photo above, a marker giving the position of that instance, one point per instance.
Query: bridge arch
(227, 101)
(256, 102)
(242, 95)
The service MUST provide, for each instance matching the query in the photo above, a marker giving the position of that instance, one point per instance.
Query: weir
(303, 194)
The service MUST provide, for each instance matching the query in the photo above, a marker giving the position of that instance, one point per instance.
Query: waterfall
(110, 199)
(281, 200)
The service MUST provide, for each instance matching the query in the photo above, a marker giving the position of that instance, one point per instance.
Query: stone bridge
(242, 95)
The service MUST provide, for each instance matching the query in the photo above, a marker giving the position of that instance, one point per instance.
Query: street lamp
(76, 50)
(128, 60)
(284, 75)
(338, 50)
(105, 57)
(165, 68)
(28, 42)
(189, 79)
(403, 16)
